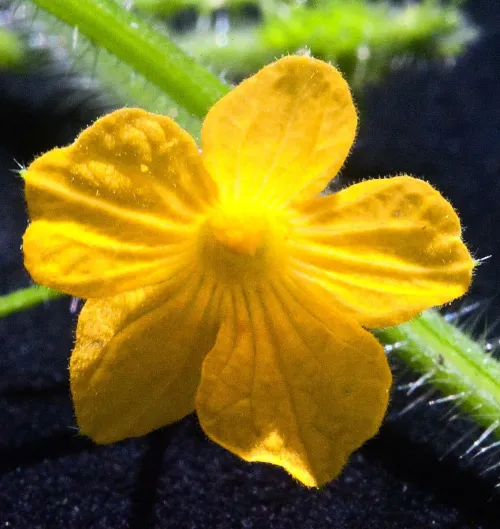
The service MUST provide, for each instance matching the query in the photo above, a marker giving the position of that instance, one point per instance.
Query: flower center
(241, 232)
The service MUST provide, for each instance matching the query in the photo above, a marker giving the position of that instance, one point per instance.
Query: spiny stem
(453, 362)
(146, 50)
(96, 67)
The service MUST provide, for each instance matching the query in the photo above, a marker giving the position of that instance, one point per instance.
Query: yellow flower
(220, 282)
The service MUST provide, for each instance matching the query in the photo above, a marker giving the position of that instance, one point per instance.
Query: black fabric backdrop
(441, 123)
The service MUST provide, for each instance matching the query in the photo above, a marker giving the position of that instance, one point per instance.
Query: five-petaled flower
(219, 281)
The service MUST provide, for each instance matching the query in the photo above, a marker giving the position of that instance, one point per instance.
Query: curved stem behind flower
(362, 38)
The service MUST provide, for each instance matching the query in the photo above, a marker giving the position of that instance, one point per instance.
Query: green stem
(125, 86)
(143, 48)
(451, 361)
(26, 298)
(12, 51)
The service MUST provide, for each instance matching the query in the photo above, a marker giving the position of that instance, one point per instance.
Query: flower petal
(284, 131)
(292, 382)
(138, 355)
(387, 249)
(117, 209)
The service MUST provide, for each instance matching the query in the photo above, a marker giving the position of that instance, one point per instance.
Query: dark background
(429, 120)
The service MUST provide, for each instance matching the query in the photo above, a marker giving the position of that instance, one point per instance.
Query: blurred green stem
(26, 298)
(11, 49)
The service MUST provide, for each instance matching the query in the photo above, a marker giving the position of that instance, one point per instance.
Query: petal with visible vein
(386, 249)
(292, 382)
(283, 132)
(118, 208)
(137, 360)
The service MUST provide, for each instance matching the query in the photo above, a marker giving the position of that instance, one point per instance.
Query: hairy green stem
(145, 49)
(98, 68)
(451, 361)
